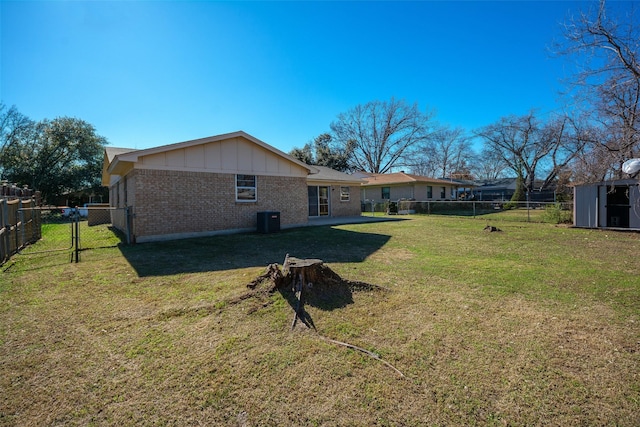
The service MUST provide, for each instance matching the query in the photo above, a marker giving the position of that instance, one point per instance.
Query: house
(333, 193)
(217, 185)
(400, 185)
(502, 189)
(608, 204)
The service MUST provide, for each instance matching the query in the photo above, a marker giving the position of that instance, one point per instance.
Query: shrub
(556, 214)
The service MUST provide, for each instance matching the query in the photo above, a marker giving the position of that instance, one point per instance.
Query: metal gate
(41, 231)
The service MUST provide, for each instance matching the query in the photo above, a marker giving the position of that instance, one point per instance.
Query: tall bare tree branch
(381, 135)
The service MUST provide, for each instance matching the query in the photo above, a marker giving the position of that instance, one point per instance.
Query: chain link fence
(29, 230)
(32, 231)
(550, 212)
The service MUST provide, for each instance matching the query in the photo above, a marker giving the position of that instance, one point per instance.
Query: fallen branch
(362, 350)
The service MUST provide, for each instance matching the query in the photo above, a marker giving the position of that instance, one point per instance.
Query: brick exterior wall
(185, 203)
(350, 208)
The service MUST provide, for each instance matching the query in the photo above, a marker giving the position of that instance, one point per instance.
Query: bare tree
(529, 147)
(381, 135)
(604, 42)
(448, 152)
(488, 165)
(565, 139)
(424, 166)
(596, 164)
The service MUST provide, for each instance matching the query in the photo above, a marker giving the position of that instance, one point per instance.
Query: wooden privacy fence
(20, 223)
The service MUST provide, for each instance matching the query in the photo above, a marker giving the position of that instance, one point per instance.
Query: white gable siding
(244, 155)
(155, 160)
(235, 155)
(194, 156)
(271, 163)
(213, 156)
(176, 158)
(259, 161)
(229, 155)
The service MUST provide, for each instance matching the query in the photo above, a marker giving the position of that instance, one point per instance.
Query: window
(386, 193)
(344, 194)
(443, 193)
(429, 192)
(246, 188)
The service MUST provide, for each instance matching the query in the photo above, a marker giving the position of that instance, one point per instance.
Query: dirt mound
(317, 277)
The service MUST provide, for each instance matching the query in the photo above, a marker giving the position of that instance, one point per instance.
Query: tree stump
(303, 270)
(307, 281)
(302, 273)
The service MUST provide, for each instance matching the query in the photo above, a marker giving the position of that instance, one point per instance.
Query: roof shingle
(399, 178)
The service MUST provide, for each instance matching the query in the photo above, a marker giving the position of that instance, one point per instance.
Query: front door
(318, 200)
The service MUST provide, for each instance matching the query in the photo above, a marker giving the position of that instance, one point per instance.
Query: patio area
(317, 221)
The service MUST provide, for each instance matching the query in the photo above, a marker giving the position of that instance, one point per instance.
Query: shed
(607, 204)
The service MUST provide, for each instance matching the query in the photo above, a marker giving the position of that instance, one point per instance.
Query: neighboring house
(610, 204)
(219, 185)
(502, 189)
(399, 185)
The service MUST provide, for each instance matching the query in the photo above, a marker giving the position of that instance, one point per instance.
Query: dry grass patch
(512, 328)
(391, 256)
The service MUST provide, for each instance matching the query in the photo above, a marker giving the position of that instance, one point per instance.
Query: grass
(537, 324)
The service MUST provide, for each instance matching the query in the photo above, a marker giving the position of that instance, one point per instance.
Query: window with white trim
(345, 194)
(386, 193)
(246, 188)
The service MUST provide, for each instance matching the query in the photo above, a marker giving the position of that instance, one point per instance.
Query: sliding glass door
(318, 200)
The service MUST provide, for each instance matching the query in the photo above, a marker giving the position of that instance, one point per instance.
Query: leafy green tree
(304, 154)
(520, 193)
(56, 157)
(323, 152)
(14, 127)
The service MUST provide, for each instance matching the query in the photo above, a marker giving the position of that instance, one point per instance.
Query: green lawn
(536, 324)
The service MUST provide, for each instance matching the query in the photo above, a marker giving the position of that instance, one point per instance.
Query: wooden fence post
(4, 231)
(16, 217)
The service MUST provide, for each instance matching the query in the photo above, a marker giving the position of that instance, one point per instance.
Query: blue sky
(149, 73)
